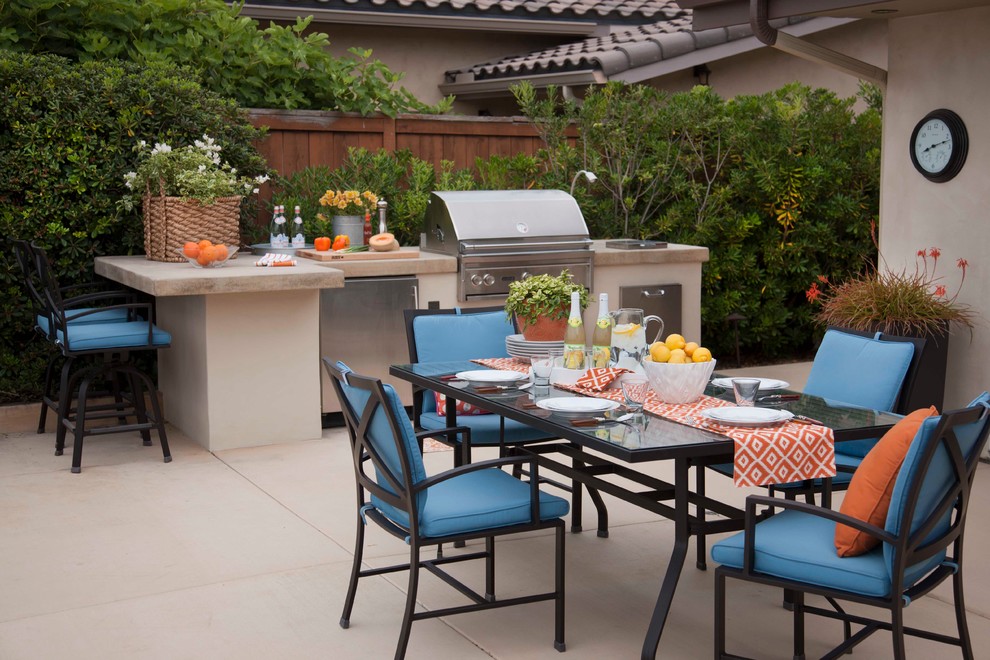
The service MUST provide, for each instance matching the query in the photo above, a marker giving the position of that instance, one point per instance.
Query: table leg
(676, 563)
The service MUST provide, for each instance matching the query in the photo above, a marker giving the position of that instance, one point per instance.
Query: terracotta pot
(544, 329)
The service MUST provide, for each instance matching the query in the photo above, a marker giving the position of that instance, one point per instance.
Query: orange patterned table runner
(506, 364)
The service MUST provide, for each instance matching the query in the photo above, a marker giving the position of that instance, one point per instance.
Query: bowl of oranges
(678, 370)
(205, 254)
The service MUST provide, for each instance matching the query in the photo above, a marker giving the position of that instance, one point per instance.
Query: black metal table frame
(588, 469)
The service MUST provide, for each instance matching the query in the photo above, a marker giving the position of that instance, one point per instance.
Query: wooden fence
(300, 138)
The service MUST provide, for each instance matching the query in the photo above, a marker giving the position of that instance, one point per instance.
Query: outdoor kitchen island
(243, 369)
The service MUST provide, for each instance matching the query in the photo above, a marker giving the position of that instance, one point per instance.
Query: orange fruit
(207, 255)
(204, 244)
(221, 252)
(191, 250)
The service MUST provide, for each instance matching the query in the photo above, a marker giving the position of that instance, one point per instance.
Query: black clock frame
(960, 145)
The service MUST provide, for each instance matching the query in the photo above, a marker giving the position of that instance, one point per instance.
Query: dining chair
(921, 543)
(88, 302)
(863, 369)
(455, 334)
(475, 501)
(110, 343)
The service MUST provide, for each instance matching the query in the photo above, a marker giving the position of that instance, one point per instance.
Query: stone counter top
(674, 253)
(238, 275)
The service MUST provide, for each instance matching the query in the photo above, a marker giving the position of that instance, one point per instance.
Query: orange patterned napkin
(506, 364)
(599, 378)
(763, 455)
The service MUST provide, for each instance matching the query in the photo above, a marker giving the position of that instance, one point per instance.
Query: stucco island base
(243, 368)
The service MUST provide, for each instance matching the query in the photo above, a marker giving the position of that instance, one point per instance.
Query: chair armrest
(127, 306)
(463, 430)
(752, 501)
(116, 294)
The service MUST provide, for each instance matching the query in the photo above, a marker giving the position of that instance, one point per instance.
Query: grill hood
(485, 221)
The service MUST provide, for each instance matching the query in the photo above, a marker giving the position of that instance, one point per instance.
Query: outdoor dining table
(616, 449)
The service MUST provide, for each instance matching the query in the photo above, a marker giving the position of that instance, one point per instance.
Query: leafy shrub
(781, 187)
(274, 67)
(67, 133)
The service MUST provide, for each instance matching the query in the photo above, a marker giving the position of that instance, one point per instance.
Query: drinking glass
(745, 390)
(635, 389)
(542, 368)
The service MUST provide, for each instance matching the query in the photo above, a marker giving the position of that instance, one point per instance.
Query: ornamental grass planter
(169, 222)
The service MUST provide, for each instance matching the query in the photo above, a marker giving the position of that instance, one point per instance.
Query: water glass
(745, 390)
(542, 368)
(635, 389)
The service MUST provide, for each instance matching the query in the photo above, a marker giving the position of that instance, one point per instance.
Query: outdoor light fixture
(590, 176)
(701, 72)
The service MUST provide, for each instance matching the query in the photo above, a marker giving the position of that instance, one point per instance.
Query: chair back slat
(931, 494)
(380, 433)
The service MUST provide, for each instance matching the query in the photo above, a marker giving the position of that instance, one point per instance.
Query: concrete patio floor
(246, 554)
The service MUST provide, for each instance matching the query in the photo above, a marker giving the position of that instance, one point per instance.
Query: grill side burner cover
(518, 216)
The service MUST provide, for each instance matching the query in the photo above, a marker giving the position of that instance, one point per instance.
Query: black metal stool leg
(47, 394)
(139, 410)
(64, 401)
(80, 430)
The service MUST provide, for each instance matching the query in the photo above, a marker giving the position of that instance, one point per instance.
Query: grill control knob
(524, 275)
(489, 279)
(476, 279)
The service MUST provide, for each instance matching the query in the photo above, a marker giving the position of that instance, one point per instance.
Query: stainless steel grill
(500, 236)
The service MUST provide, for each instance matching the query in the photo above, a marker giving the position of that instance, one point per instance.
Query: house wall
(766, 69)
(941, 61)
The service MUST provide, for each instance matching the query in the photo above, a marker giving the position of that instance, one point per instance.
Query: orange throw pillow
(868, 497)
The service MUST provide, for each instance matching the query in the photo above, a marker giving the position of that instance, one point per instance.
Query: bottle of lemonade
(574, 335)
(601, 340)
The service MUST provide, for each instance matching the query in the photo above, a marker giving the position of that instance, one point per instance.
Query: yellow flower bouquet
(349, 202)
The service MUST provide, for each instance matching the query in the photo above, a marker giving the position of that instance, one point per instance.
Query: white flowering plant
(193, 172)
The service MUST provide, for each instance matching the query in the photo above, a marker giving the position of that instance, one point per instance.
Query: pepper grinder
(382, 212)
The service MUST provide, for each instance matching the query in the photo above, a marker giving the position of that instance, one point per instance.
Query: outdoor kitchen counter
(674, 253)
(243, 369)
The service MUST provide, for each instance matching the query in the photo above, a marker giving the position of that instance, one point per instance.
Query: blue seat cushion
(801, 547)
(484, 428)
(110, 336)
(450, 337)
(105, 316)
(859, 370)
(474, 501)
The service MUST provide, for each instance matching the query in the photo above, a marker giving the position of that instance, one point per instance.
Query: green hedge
(273, 67)
(66, 137)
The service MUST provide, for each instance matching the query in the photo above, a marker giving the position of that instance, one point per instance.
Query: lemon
(674, 341)
(702, 354)
(625, 328)
(659, 352)
(678, 352)
(678, 357)
(690, 347)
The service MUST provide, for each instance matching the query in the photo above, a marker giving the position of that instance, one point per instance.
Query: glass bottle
(367, 228)
(274, 228)
(574, 335)
(298, 239)
(601, 340)
(283, 238)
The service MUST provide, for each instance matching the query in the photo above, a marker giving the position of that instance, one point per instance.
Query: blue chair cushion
(452, 337)
(859, 370)
(106, 316)
(110, 336)
(484, 428)
(798, 546)
(475, 501)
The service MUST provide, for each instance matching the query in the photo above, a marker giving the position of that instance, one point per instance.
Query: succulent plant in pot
(541, 304)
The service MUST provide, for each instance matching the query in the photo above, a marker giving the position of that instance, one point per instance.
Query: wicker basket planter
(171, 221)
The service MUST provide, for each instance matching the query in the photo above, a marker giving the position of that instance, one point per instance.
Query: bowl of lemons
(678, 370)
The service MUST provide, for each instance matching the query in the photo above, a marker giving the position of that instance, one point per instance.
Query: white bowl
(678, 383)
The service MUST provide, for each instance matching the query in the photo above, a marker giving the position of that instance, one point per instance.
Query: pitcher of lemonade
(629, 343)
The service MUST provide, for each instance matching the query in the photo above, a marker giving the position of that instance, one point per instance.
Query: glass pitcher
(629, 343)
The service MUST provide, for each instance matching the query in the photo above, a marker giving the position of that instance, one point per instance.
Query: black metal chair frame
(404, 494)
(809, 489)
(462, 453)
(114, 367)
(909, 549)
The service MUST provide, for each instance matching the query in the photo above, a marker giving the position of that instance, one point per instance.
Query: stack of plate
(518, 347)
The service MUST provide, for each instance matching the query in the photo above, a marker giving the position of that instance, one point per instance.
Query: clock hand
(937, 144)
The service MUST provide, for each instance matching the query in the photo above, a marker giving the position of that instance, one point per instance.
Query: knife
(771, 398)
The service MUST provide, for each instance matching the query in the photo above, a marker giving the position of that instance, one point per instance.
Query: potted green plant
(904, 303)
(541, 304)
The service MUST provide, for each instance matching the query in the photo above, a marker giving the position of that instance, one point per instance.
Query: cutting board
(404, 253)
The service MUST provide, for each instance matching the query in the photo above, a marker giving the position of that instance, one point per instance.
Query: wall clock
(939, 144)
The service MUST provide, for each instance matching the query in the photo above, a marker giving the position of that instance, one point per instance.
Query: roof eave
(499, 87)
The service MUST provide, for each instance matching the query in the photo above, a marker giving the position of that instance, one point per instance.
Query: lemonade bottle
(601, 340)
(574, 335)
(298, 238)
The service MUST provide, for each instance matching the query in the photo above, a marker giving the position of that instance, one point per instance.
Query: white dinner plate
(765, 383)
(519, 340)
(577, 405)
(746, 415)
(490, 376)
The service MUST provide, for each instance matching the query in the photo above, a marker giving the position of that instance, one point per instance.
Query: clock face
(939, 144)
(933, 146)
